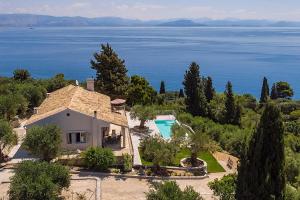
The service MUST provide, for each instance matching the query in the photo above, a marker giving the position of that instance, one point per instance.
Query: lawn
(212, 164)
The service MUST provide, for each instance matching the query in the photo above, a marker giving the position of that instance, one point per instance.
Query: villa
(86, 118)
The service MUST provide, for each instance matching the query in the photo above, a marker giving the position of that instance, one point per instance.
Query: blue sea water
(241, 55)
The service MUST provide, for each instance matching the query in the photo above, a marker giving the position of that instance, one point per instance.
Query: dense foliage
(170, 190)
(44, 141)
(99, 158)
(264, 95)
(158, 151)
(162, 89)
(261, 172)
(140, 91)
(7, 137)
(225, 187)
(38, 180)
(111, 72)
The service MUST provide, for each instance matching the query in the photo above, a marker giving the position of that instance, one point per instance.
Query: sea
(242, 55)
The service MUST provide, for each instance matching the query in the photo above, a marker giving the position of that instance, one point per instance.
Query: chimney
(90, 84)
(48, 94)
(35, 110)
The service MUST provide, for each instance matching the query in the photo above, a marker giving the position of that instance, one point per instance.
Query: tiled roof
(78, 99)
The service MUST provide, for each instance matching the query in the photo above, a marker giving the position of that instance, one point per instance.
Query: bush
(44, 141)
(225, 187)
(38, 180)
(127, 162)
(170, 190)
(158, 151)
(99, 158)
(295, 115)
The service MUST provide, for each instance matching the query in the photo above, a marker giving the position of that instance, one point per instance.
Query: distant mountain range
(29, 20)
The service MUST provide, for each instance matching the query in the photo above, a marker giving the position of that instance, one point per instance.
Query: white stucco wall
(76, 122)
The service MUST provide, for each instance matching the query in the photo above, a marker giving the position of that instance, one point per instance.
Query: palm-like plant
(195, 141)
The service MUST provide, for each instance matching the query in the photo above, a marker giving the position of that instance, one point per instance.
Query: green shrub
(44, 141)
(158, 151)
(295, 115)
(38, 180)
(170, 190)
(99, 158)
(225, 187)
(127, 162)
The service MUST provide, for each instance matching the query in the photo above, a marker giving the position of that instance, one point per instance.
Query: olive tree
(195, 141)
(44, 141)
(143, 113)
(7, 137)
(38, 180)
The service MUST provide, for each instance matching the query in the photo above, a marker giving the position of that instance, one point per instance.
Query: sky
(159, 9)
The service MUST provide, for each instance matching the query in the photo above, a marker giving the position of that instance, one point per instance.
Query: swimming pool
(164, 127)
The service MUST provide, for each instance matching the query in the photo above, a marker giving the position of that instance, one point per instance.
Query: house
(86, 118)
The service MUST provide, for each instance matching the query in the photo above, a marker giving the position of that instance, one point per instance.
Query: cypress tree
(191, 84)
(264, 96)
(274, 93)
(209, 90)
(162, 89)
(111, 72)
(261, 171)
(181, 93)
(229, 104)
(237, 115)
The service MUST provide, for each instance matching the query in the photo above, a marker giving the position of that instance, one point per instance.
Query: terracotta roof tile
(78, 99)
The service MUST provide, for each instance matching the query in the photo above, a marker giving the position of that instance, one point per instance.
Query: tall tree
(111, 72)
(162, 89)
(264, 96)
(140, 92)
(195, 99)
(209, 89)
(191, 85)
(261, 171)
(181, 93)
(274, 93)
(229, 104)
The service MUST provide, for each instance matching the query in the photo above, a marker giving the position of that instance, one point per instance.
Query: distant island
(31, 20)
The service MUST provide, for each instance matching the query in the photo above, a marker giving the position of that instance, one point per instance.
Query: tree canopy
(44, 141)
(264, 96)
(21, 74)
(140, 92)
(261, 172)
(209, 89)
(111, 72)
(194, 90)
(7, 137)
(169, 190)
(38, 180)
(162, 89)
(142, 113)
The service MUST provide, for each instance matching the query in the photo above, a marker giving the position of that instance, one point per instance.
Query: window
(69, 138)
(80, 137)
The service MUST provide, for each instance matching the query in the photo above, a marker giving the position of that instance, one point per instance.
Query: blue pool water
(164, 127)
